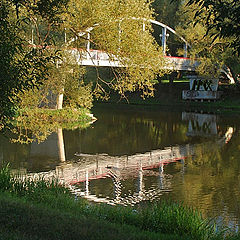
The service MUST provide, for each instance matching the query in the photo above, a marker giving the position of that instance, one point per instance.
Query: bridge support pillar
(140, 180)
(161, 176)
(88, 45)
(185, 49)
(164, 40)
(87, 184)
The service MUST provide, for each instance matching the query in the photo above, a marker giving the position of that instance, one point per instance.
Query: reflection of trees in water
(37, 124)
(211, 179)
(17, 143)
(124, 134)
(16, 155)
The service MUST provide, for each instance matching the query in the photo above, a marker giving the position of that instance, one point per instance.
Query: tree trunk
(60, 100)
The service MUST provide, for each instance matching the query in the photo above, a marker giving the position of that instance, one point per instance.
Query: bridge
(92, 57)
(102, 59)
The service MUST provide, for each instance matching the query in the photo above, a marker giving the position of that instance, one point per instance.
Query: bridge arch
(164, 27)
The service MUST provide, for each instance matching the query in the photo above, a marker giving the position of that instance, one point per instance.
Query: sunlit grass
(61, 116)
(163, 217)
(34, 189)
(183, 80)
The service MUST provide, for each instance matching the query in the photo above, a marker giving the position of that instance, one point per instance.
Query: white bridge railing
(94, 58)
(102, 59)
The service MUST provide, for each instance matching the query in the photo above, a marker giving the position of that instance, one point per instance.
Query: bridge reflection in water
(92, 167)
(89, 167)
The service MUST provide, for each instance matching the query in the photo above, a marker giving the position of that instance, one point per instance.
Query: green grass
(45, 210)
(161, 217)
(176, 81)
(21, 220)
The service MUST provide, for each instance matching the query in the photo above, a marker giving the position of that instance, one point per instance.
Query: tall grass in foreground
(37, 189)
(161, 217)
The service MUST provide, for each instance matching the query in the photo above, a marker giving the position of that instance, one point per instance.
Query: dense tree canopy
(221, 18)
(35, 35)
(166, 10)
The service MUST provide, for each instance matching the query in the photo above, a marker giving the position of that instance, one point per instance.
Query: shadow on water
(129, 156)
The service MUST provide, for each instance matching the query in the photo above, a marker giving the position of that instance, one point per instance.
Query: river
(134, 154)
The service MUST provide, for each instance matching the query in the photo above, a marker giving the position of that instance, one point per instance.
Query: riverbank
(170, 96)
(21, 219)
(45, 210)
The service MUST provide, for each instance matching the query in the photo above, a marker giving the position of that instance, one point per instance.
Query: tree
(22, 67)
(122, 30)
(165, 12)
(221, 19)
(214, 52)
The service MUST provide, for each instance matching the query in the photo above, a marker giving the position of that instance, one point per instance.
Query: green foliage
(117, 26)
(221, 19)
(67, 78)
(59, 224)
(30, 188)
(78, 95)
(51, 10)
(165, 12)
(213, 53)
(37, 124)
(119, 31)
(22, 68)
(169, 218)
(5, 179)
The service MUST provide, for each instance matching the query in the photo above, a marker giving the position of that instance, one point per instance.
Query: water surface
(134, 154)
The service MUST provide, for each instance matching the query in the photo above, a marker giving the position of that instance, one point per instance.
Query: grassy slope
(21, 219)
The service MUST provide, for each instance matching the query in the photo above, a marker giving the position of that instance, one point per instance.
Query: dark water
(132, 154)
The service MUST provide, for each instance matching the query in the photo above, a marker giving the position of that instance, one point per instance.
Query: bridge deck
(102, 59)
